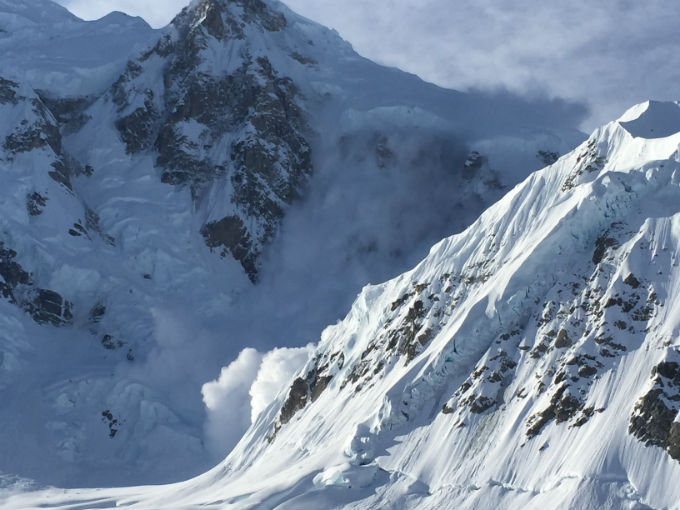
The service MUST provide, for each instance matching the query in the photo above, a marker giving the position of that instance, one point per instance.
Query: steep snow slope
(531, 361)
(244, 144)
(44, 45)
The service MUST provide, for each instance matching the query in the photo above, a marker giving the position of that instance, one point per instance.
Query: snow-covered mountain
(171, 197)
(530, 361)
(47, 47)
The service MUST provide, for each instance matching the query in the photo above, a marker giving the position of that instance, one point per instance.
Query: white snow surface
(44, 45)
(114, 398)
(402, 433)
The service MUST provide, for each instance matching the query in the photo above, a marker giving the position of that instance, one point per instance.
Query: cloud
(228, 402)
(276, 370)
(243, 390)
(610, 54)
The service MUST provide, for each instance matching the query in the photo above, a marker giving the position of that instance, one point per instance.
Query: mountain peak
(652, 119)
(225, 19)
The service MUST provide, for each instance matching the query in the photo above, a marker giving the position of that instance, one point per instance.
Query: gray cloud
(610, 53)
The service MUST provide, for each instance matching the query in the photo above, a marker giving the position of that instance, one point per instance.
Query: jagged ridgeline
(541, 342)
(239, 120)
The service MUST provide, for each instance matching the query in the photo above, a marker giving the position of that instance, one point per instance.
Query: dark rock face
(589, 161)
(50, 307)
(216, 16)
(39, 130)
(45, 306)
(602, 244)
(112, 422)
(35, 203)
(563, 407)
(304, 391)
(547, 157)
(253, 110)
(653, 420)
(297, 399)
(69, 111)
(229, 234)
(8, 93)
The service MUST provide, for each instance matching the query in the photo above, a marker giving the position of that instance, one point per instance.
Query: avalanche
(530, 361)
(172, 197)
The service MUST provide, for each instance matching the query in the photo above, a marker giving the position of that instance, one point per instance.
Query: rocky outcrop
(654, 419)
(253, 111)
(45, 306)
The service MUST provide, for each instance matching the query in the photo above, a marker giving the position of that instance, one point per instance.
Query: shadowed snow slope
(172, 197)
(531, 361)
(44, 45)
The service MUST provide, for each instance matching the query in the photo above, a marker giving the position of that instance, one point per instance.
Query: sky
(609, 54)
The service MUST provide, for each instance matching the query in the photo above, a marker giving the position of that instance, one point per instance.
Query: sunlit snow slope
(171, 197)
(532, 361)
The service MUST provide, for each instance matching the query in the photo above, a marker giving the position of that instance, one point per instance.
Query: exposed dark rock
(12, 273)
(119, 91)
(563, 341)
(92, 225)
(137, 128)
(60, 173)
(269, 158)
(297, 399)
(653, 419)
(111, 344)
(473, 164)
(35, 203)
(586, 414)
(602, 244)
(8, 93)
(563, 407)
(50, 307)
(588, 161)
(230, 234)
(68, 111)
(44, 306)
(304, 391)
(481, 404)
(303, 60)
(97, 313)
(548, 157)
(113, 424)
(632, 281)
(587, 371)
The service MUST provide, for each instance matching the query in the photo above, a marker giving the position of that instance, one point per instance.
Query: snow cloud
(243, 390)
(228, 402)
(610, 54)
(277, 369)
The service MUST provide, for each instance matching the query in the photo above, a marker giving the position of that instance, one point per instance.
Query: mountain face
(171, 197)
(531, 361)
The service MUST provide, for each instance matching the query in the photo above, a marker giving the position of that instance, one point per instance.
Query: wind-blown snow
(228, 402)
(277, 368)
